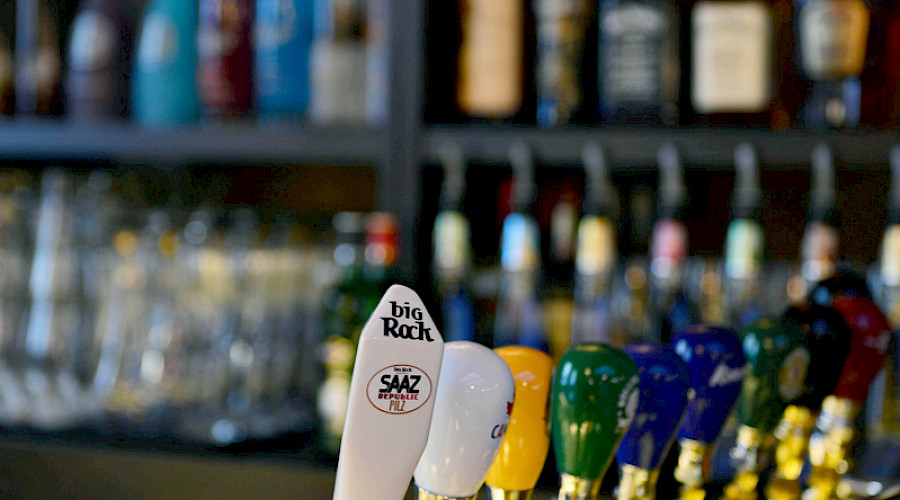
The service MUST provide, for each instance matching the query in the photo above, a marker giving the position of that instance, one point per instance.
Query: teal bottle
(164, 84)
(283, 41)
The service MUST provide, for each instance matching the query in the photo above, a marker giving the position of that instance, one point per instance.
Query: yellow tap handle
(524, 449)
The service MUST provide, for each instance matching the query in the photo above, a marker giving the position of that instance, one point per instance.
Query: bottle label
(93, 42)
(520, 245)
(633, 41)
(399, 389)
(451, 242)
(490, 57)
(732, 54)
(596, 252)
(159, 42)
(743, 249)
(890, 256)
(276, 25)
(818, 251)
(833, 37)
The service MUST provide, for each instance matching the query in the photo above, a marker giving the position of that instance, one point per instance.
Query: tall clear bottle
(452, 252)
(518, 317)
(38, 61)
(639, 68)
(595, 259)
(819, 250)
(744, 243)
(832, 37)
(671, 311)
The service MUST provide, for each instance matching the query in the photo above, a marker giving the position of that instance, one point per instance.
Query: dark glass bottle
(561, 29)
(38, 66)
(832, 39)
(639, 69)
(224, 70)
(99, 62)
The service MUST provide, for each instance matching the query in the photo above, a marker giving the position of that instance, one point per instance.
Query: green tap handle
(778, 359)
(595, 396)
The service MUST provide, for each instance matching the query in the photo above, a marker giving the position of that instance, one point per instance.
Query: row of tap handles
(459, 415)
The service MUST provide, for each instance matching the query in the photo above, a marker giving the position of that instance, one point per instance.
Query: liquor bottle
(338, 62)
(595, 255)
(224, 71)
(832, 38)
(733, 62)
(639, 69)
(472, 406)
(744, 243)
(671, 311)
(715, 363)
(819, 250)
(346, 307)
(561, 29)
(38, 63)
(595, 397)
(452, 252)
(520, 460)
(164, 86)
(778, 362)
(518, 317)
(281, 59)
(99, 60)
(661, 406)
(828, 340)
(491, 59)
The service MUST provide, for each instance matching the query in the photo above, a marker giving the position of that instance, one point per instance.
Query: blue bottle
(663, 399)
(284, 32)
(164, 91)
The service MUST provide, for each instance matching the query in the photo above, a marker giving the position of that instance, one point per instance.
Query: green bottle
(595, 396)
(345, 308)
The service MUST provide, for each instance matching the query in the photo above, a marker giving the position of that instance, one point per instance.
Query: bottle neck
(637, 483)
(501, 494)
(424, 494)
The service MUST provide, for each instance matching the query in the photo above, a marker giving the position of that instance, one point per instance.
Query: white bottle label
(833, 38)
(92, 42)
(632, 41)
(159, 42)
(732, 52)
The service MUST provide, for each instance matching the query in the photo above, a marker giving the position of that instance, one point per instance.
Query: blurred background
(202, 200)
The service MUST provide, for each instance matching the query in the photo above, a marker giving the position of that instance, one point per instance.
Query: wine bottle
(491, 71)
(832, 39)
(224, 72)
(283, 40)
(164, 90)
(639, 67)
(819, 251)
